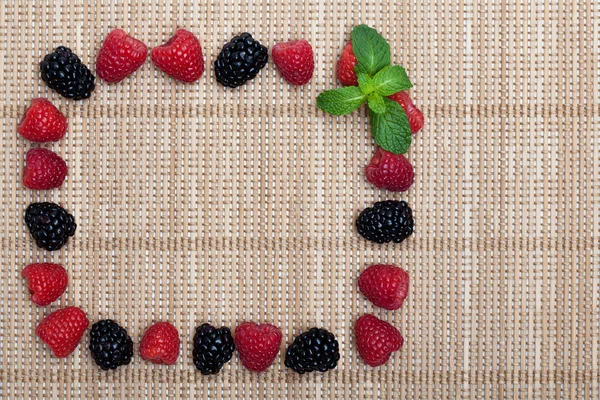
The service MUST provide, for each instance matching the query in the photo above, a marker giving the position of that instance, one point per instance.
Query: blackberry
(64, 72)
(240, 60)
(212, 348)
(50, 225)
(313, 350)
(110, 344)
(386, 221)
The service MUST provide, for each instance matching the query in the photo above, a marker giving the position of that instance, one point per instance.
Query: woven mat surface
(196, 203)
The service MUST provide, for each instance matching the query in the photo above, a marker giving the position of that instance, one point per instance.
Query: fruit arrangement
(364, 67)
(365, 70)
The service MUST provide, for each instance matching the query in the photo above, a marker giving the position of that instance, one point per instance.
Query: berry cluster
(239, 61)
(51, 226)
(112, 347)
(369, 77)
(181, 57)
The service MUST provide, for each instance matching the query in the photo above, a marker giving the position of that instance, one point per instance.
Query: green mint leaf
(376, 103)
(365, 83)
(391, 129)
(341, 101)
(390, 80)
(372, 51)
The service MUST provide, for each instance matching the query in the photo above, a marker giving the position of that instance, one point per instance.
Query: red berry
(42, 122)
(376, 340)
(345, 67)
(415, 116)
(385, 286)
(295, 60)
(44, 169)
(46, 282)
(257, 345)
(62, 330)
(160, 344)
(390, 171)
(180, 57)
(120, 56)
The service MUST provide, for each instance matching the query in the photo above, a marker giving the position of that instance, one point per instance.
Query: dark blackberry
(50, 225)
(64, 72)
(212, 348)
(386, 221)
(240, 60)
(313, 350)
(110, 344)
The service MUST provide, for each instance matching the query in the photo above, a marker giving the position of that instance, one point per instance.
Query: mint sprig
(365, 83)
(390, 80)
(391, 129)
(376, 103)
(377, 79)
(341, 101)
(372, 51)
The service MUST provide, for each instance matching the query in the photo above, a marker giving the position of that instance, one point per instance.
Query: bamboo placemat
(198, 203)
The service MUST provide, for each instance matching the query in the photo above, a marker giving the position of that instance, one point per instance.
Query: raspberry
(390, 171)
(64, 72)
(295, 61)
(181, 57)
(314, 350)
(42, 122)
(212, 348)
(345, 67)
(257, 345)
(110, 344)
(62, 330)
(160, 344)
(46, 282)
(44, 170)
(415, 116)
(376, 340)
(385, 286)
(240, 60)
(386, 221)
(120, 56)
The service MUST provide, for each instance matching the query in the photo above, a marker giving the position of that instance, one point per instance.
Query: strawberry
(257, 345)
(120, 55)
(415, 116)
(44, 169)
(345, 67)
(46, 282)
(42, 122)
(180, 57)
(62, 330)
(385, 286)
(295, 61)
(376, 340)
(160, 344)
(390, 171)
